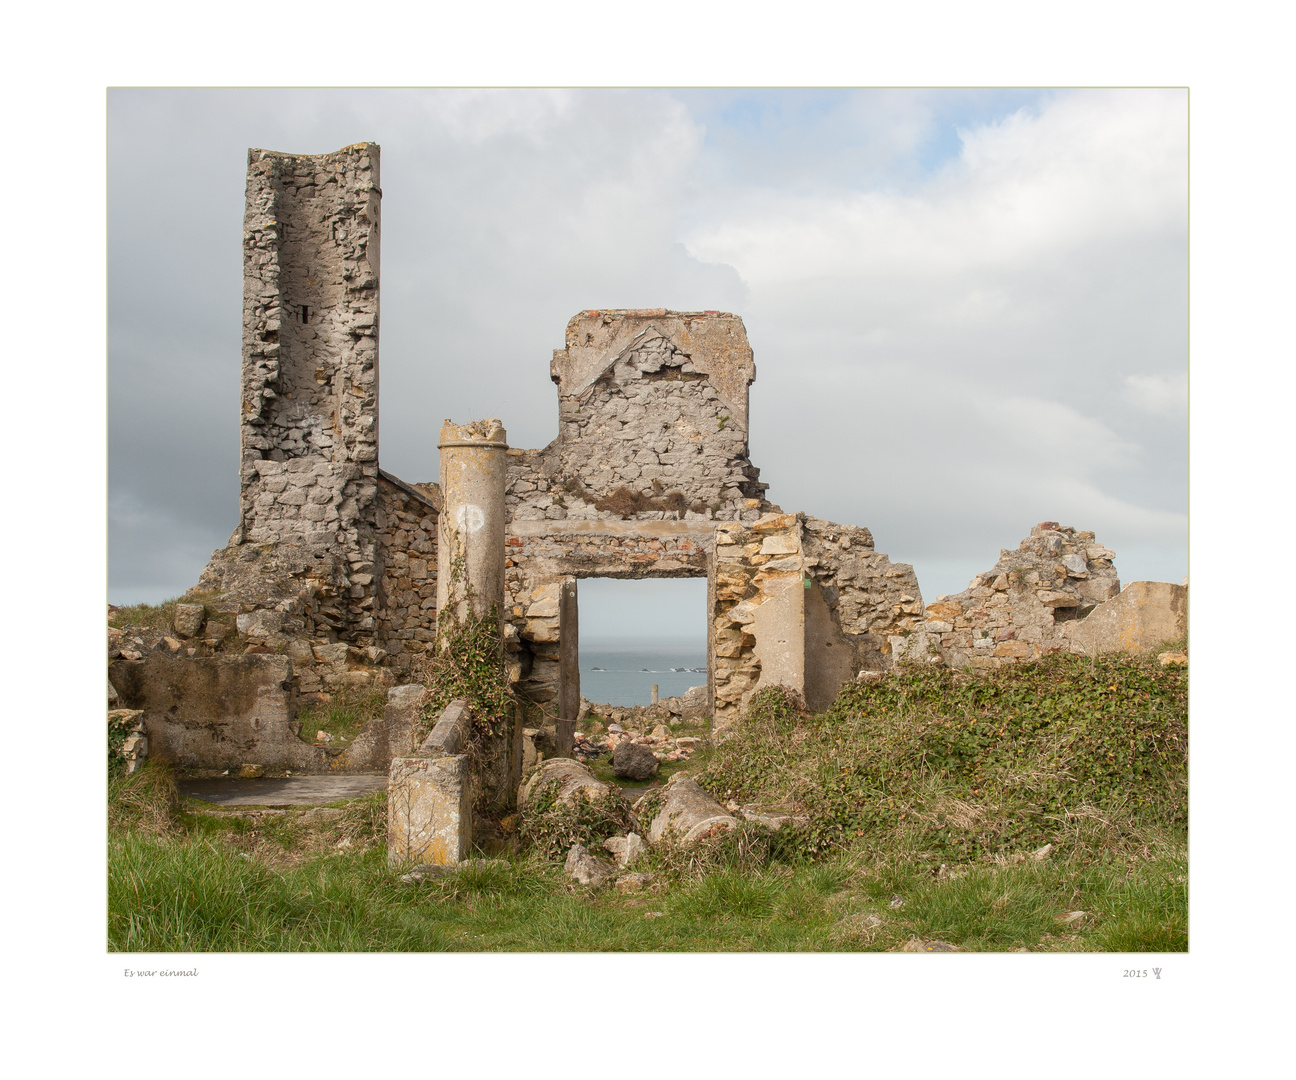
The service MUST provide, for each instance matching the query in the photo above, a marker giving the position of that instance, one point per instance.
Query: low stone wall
(1018, 609)
(1144, 616)
(217, 712)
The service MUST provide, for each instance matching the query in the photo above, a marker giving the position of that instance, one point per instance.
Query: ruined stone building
(333, 566)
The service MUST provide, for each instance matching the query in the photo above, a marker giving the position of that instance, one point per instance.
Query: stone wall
(406, 531)
(802, 603)
(652, 423)
(1018, 610)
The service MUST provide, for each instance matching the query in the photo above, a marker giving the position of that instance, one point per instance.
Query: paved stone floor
(286, 791)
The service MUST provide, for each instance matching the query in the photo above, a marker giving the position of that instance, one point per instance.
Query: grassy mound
(1073, 752)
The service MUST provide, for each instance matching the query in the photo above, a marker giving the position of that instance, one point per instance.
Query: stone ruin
(337, 569)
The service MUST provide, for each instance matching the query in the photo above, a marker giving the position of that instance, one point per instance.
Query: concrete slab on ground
(285, 791)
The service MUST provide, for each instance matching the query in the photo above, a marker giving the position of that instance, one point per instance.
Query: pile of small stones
(663, 745)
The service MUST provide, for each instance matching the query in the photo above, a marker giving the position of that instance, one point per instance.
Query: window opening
(634, 634)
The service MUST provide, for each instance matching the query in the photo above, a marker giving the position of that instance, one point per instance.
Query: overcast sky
(968, 308)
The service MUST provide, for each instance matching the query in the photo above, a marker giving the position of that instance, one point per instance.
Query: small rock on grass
(919, 945)
(628, 883)
(585, 869)
(626, 848)
(432, 871)
(1174, 658)
(631, 761)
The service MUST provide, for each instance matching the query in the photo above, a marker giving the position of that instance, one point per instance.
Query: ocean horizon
(616, 672)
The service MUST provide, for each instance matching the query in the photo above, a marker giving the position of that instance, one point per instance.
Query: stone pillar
(470, 551)
(568, 669)
(470, 579)
(429, 810)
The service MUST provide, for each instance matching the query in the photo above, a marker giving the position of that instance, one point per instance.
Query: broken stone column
(470, 579)
(470, 552)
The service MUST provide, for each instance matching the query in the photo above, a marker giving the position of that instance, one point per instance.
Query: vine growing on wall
(467, 661)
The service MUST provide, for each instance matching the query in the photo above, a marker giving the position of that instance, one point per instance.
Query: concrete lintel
(554, 529)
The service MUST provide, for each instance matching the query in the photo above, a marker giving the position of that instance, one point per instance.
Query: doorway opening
(635, 634)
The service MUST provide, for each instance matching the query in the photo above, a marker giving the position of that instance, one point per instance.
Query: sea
(622, 674)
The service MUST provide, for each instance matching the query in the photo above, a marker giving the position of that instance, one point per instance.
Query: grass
(150, 616)
(198, 894)
(347, 711)
(155, 616)
(929, 798)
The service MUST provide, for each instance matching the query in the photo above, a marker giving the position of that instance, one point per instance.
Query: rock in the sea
(689, 813)
(632, 761)
(585, 869)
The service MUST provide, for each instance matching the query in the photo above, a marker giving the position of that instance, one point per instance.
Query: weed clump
(549, 826)
(147, 801)
(625, 502)
(468, 662)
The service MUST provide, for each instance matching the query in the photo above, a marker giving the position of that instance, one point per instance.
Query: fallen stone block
(573, 779)
(628, 883)
(774, 821)
(388, 736)
(585, 869)
(626, 848)
(450, 735)
(633, 761)
(134, 747)
(188, 619)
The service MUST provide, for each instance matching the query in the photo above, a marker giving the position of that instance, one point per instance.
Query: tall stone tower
(309, 419)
